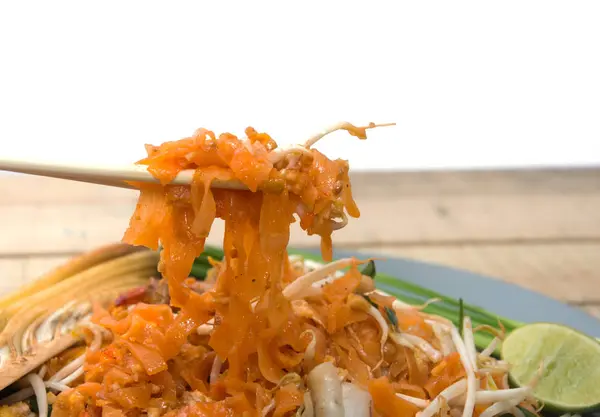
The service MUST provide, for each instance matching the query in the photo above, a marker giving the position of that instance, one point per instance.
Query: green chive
(199, 270)
(391, 315)
(366, 297)
(461, 316)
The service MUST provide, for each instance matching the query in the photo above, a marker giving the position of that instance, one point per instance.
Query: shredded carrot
(385, 401)
(411, 321)
(287, 399)
(447, 372)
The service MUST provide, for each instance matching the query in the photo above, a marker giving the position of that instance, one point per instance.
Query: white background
(470, 84)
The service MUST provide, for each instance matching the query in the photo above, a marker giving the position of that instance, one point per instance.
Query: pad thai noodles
(266, 333)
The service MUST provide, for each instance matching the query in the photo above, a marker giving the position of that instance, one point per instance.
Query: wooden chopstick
(117, 175)
(111, 175)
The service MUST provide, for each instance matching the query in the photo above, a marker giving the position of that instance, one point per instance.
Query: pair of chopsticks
(117, 175)
(111, 175)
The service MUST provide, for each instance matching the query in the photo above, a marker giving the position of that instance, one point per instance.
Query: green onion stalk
(447, 307)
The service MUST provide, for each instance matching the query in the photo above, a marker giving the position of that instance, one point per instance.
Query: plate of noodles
(163, 325)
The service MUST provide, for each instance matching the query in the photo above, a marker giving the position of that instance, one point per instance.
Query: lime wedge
(570, 381)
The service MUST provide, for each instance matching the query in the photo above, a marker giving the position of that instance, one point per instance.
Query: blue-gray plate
(505, 299)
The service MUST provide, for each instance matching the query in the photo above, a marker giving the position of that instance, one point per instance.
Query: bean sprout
(516, 411)
(470, 342)
(268, 408)
(471, 379)
(68, 369)
(443, 335)
(294, 289)
(309, 353)
(42, 371)
(453, 391)
(206, 328)
(487, 352)
(376, 314)
(339, 126)
(57, 386)
(419, 402)
(499, 408)
(78, 372)
(433, 354)
(215, 370)
(493, 396)
(39, 389)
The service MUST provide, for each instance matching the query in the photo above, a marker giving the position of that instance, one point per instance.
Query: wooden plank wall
(537, 228)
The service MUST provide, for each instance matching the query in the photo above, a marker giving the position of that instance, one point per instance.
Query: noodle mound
(266, 334)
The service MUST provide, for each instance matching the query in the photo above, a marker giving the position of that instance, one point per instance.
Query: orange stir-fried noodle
(269, 334)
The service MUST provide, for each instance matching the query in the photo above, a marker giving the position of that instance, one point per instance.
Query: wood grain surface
(537, 228)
